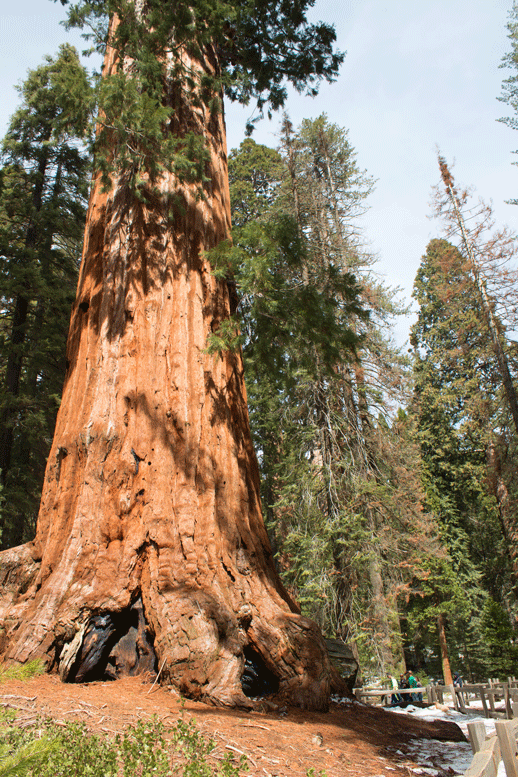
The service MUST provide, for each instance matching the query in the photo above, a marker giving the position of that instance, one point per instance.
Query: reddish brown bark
(151, 495)
(445, 658)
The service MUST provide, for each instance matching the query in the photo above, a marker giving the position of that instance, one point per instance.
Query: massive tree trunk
(150, 548)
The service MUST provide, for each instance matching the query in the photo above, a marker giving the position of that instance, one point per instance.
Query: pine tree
(42, 212)
(340, 486)
(490, 272)
(458, 411)
(362, 475)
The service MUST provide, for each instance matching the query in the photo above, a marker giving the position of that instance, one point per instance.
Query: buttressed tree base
(150, 552)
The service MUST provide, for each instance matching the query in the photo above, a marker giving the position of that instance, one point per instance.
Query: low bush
(147, 749)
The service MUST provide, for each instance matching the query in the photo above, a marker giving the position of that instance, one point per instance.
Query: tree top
(261, 45)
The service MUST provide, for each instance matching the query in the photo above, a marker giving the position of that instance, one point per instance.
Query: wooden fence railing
(462, 697)
(490, 750)
(385, 694)
(488, 694)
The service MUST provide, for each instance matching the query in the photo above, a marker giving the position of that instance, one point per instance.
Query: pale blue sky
(417, 73)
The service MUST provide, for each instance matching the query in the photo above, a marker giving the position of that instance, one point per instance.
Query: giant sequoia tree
(150, 548)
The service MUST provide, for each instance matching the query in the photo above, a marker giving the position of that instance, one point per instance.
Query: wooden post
(483, 700)
(506, 737)
(507, 699)
(486, 760)
(483, 764)
(451, 689)
(460, 697)
(477, 735)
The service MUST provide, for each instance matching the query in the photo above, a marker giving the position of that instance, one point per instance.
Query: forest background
(383, 519)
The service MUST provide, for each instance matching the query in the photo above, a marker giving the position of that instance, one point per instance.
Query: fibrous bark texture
(150, 548)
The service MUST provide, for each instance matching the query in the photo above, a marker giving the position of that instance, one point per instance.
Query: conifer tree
(362, 478)
(42, 211)
(150, 539)
(490, 273)
(458, 405)
(510, 84)
(339, 475)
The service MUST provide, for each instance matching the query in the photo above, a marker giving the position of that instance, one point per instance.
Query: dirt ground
(350, 739)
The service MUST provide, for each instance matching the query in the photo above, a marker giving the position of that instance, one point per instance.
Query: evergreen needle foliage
(251, 51)
(340, 479)
(21, 671)
(462, 425)
(510, 85)
(43, 188)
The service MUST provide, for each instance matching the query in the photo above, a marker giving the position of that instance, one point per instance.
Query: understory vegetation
(148, 749)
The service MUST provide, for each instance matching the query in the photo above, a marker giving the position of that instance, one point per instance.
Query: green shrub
(144, 750)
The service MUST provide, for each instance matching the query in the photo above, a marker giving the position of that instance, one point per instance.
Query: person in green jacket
(413, 682)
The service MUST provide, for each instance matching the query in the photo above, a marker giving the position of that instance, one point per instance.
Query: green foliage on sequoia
(251, 51)
(43, 188)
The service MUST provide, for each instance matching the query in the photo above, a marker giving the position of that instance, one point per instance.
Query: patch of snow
(433, 756)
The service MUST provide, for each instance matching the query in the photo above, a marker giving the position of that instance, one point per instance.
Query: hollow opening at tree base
(114, 645)
(257, 680)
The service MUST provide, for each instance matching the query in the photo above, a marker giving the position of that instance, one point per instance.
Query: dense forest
(388, 476)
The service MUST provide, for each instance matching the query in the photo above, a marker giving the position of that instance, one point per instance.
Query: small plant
(77, 753)
(20, 752)
(144, 750)
(21, 671)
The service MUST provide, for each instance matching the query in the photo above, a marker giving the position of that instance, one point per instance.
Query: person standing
(413, 682)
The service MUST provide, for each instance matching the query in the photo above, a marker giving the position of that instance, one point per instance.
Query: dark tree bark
(150, 521)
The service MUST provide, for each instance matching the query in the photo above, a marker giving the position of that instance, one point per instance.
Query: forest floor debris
(351, 739)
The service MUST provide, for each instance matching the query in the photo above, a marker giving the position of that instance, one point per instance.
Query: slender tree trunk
(150, 516)
(445, 658)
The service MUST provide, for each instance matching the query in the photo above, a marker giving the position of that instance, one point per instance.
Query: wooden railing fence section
(462, 696)
(486, 752)
(385, 694)
(490, 750)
